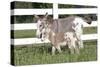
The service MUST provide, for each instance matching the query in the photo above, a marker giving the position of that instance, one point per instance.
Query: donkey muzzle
(89, 22)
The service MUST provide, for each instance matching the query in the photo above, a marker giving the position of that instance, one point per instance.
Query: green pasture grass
(33, 54)
(24, 33)
(32, 33)
(89, 30)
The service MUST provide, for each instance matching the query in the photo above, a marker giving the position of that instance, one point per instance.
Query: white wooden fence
(55, 11)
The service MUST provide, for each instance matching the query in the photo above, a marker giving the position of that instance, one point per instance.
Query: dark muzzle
(89, 22)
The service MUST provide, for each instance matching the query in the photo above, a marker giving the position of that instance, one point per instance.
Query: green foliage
(28, 5)
(74, 6)
(46, 5)
(23, 5)
(42, 5)
(24, 19)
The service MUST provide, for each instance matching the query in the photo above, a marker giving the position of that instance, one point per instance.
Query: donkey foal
(71, 42)
(60, 39)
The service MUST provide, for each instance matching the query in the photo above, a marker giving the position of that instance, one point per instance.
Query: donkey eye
(40, 25)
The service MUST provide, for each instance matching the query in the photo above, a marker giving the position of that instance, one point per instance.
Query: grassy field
(24, 33)
(41, 54)
(32, 33)
(26, 55)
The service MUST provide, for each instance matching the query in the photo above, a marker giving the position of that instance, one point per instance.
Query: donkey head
(88, 19)
(41, 24)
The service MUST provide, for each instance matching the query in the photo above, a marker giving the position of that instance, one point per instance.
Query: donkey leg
(79, 41)
(80, 44)
(76, 48)
(71, 50)
(59, 49)
(70, 46)
(53, 50)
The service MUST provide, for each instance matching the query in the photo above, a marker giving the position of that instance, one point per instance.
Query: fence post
(55, 11)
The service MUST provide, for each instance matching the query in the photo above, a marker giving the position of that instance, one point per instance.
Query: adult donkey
(58, 27)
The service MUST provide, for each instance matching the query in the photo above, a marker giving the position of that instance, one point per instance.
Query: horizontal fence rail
(27, 26)
(26, 41)
(50, 11)
(30, 11)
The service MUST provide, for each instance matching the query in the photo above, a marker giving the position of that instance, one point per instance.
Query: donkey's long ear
(46, 15)
(36, 16)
